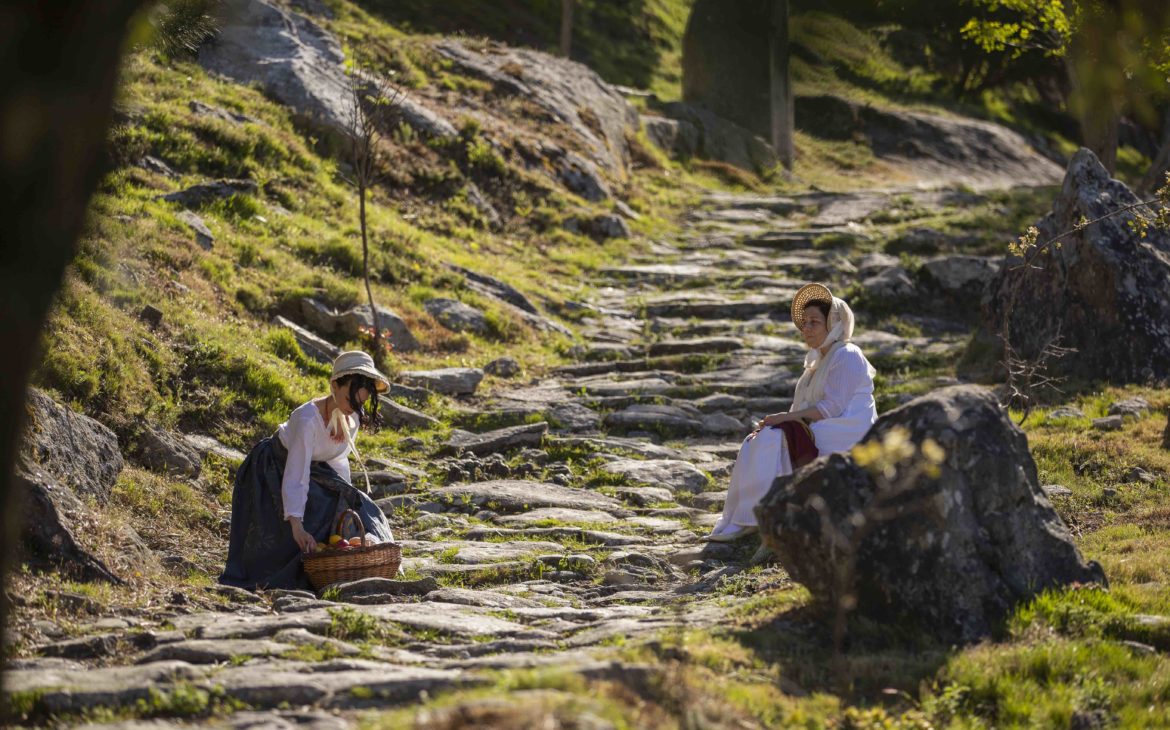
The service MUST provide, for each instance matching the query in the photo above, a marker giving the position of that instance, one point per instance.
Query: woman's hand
(307, 542)
(776, 419)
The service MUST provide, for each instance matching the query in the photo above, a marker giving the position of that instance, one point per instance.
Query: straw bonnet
(358, 362)
(806, 295)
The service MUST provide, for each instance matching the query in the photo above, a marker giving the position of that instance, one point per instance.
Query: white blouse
(307, 439)
(847, 406)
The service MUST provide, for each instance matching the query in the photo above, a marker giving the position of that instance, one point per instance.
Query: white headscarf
(810, 389)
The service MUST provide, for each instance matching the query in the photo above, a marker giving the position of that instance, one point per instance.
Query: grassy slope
(216, 366)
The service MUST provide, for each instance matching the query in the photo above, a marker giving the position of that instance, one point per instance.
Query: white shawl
(810, 389)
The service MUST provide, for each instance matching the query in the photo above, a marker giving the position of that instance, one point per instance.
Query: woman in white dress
(832, 409)
(294, 484)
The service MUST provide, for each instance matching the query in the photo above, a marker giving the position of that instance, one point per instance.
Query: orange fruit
(334, 539)
(355, 542)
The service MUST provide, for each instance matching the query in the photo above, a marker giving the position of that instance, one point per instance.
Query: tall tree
(566, 27)
(60, 67)
(372, 101)
(781, 85)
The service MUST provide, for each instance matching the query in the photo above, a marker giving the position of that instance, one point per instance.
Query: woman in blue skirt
(291, 489)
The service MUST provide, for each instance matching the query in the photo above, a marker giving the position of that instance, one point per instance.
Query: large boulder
(723, 140)
(953, 553)
(65, 458)
(570, 92)
(70, 447)
(295, 60)
(1105, 285)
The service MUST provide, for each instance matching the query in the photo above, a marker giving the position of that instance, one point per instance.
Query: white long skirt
(761, 459)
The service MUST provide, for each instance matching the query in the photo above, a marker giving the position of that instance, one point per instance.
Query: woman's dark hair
(368, 415)
(823, 306)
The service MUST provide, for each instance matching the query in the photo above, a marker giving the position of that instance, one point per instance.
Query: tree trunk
(60, 67)
(566, 27)
(1099, 118)
(1155, 177)
(1166, 433)
(781, 91)
(378, 349)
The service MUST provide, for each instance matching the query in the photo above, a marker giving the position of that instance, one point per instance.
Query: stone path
(551, 542)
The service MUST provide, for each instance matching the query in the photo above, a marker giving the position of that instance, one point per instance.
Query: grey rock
(200, 195)
(285, 719)
(424, 120)
(1055, 490)
(573, 417)
(295, 60)
(203, 235)
(494, 288)
(71, 691)
(558, 514)
(1102, 281)
(719, 402)
(457, 316)
(483, 599)
(875, 263)
(208, 445)
(74, 449)
(573, 94)
(722, 424)
(155, 165)
(1065, 412)
(200, 651)
(351, 323)
(510, 496)
(201, 109)
(319, 316)
(165, 452)
(651, 417)
(402, 416)
(724, 140)
(503, 367)
(678, 138)
(513, 437)
(1138, 474)
(677, 476)
(890, 287)
(313, 346)
(370, 586)
(645, 496)
(412, 394)
(959, 279)
(1108, 423)
(702, 345)
(605, 227)
(954, 553)
(490, 215)
(448, 381)
(1129, 407)
(709, 500)
(86, 647)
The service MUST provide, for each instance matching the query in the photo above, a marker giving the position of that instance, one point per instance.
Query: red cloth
(801, 448)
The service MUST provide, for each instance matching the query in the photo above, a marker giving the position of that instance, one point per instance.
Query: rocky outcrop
(570, 92)
(457, 316)
(165, 452)
(64, 456)
(953, 553)
(295, 61)
(1105, 285)
(323, 320)
(933, 147)
(70, 447)
(723, 140)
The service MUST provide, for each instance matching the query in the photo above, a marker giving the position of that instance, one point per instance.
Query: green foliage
(352, 625)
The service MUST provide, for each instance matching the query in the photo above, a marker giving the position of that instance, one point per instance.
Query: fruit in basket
(355, 542)
(319, 548)
(334, 539)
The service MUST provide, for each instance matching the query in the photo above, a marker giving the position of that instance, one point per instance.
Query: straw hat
(358, 362)
(807, 294)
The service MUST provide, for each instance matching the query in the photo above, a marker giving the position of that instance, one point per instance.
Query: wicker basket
(369, 561)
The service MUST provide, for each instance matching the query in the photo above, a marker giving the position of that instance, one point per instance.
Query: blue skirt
(261, 549)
